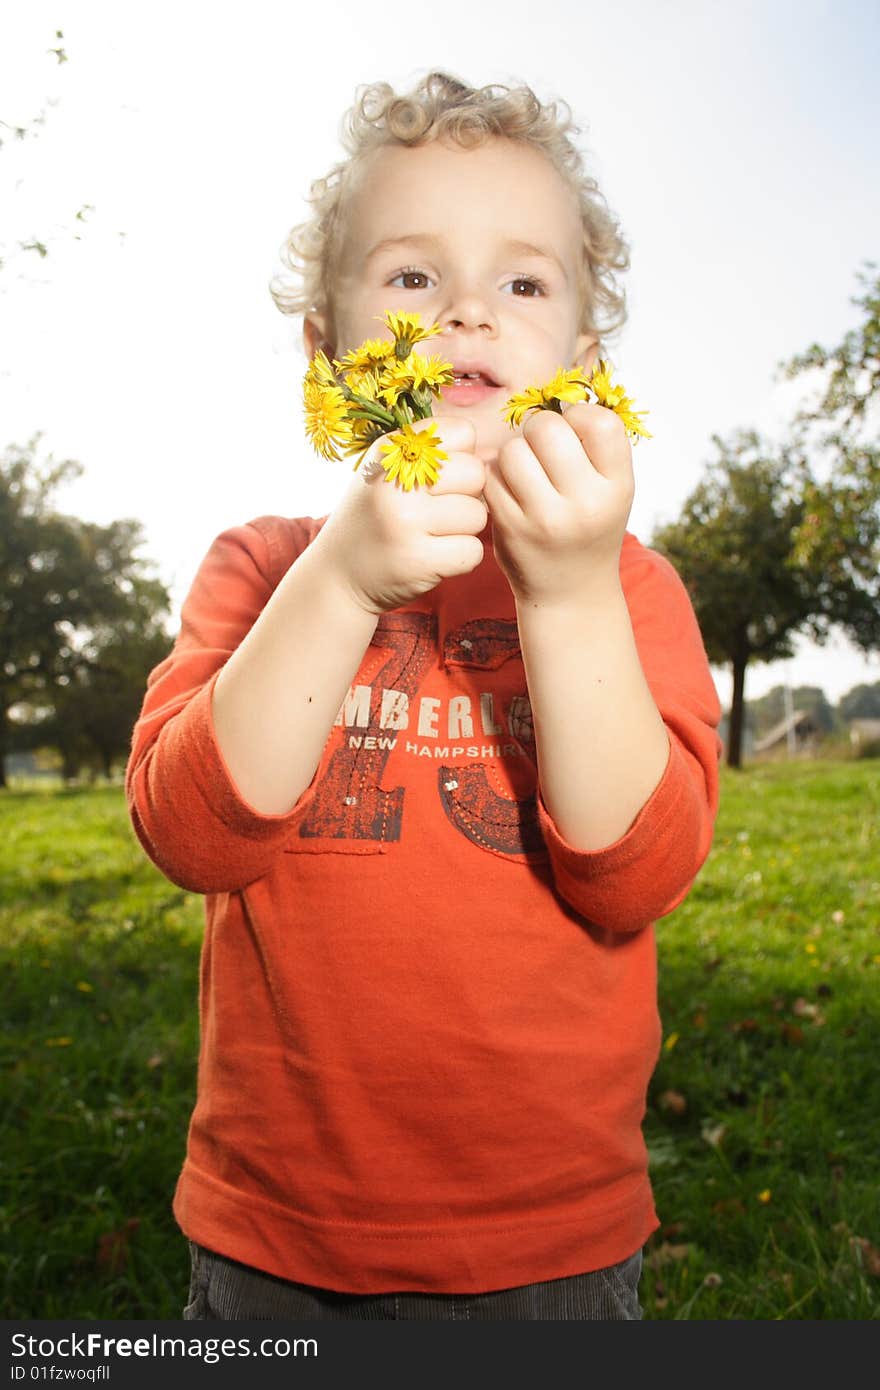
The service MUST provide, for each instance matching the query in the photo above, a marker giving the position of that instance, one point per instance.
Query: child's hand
(389, 545)
(559, 496)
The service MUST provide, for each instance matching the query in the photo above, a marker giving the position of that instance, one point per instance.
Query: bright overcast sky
(736, 143)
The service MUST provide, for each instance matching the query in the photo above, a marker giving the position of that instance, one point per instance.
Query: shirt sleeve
(183, 803)
(650, 870)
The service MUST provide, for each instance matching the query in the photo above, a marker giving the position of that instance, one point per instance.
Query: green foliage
(840, 534)
(27, 130)
(81, 617)
(732, 548)
(862, 702)
(761, 567)
(768, 974)
(849, 372)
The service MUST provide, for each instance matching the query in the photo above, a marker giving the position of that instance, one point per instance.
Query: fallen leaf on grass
(713, 1134)
(155, 1061)
(673, 1229)
(672, 1100)
(802, 1008)
(869, 1255)
(113, 1246)
(791, 1033)
(729, 1206)
(665, 1254)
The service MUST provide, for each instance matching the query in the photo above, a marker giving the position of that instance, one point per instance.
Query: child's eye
(411, 273)
(536, 285)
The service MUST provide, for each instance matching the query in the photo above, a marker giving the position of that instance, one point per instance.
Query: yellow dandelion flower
(615, 398)
(412, 457)
(430, 372)
(407, 329)
(567, 385)
(670, 1042)
(396, 378)
(363, 434)
(326, 418)
(519, 404)
(320, 371)
(765, 1196)
(364, 383)
(601, 385)
(371, 353)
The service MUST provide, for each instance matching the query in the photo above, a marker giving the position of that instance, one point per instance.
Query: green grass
(764, 1164)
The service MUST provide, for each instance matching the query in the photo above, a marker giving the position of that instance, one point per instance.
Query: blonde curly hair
(442, 106)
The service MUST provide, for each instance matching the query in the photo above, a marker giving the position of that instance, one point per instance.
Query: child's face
(486, 242)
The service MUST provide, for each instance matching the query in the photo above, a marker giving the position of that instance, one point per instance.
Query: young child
(437, 763)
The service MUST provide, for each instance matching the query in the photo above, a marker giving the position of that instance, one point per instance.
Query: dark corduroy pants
(224, 1290)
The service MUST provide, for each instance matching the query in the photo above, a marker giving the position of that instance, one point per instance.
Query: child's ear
(587, 350)
(315, 336)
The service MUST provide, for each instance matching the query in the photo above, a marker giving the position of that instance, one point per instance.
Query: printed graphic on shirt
(463, 731)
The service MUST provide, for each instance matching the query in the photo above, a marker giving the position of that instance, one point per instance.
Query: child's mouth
(469, 389)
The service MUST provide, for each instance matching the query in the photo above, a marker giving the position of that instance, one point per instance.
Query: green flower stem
(371, 410)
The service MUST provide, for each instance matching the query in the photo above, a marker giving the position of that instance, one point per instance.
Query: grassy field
(762, 1116)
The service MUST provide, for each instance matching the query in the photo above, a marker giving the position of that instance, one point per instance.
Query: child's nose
(468, 308)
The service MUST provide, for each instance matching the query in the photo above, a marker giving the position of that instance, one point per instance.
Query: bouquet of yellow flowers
(380, 388)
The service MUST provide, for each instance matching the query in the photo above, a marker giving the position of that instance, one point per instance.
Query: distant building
(799, 728)
(862, 731)
(30, 765)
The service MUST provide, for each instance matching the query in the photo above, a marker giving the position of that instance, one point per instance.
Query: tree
(862, 702)
(89, 718)
(840, 535)
(739, 547)
(850, 372)
(72, 591)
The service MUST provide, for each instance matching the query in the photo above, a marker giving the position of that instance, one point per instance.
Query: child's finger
(522, 473)
(454, 433)
(503, 505)
(457, 516)
(603, 437)
(460, 472)
(559, 451)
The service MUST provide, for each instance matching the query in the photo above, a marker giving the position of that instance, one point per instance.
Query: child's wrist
(336, 582)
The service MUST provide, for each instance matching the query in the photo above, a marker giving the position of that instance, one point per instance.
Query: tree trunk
(4, 740)
(734, 735)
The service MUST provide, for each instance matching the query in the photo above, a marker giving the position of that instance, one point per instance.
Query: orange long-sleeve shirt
(427, 1023)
